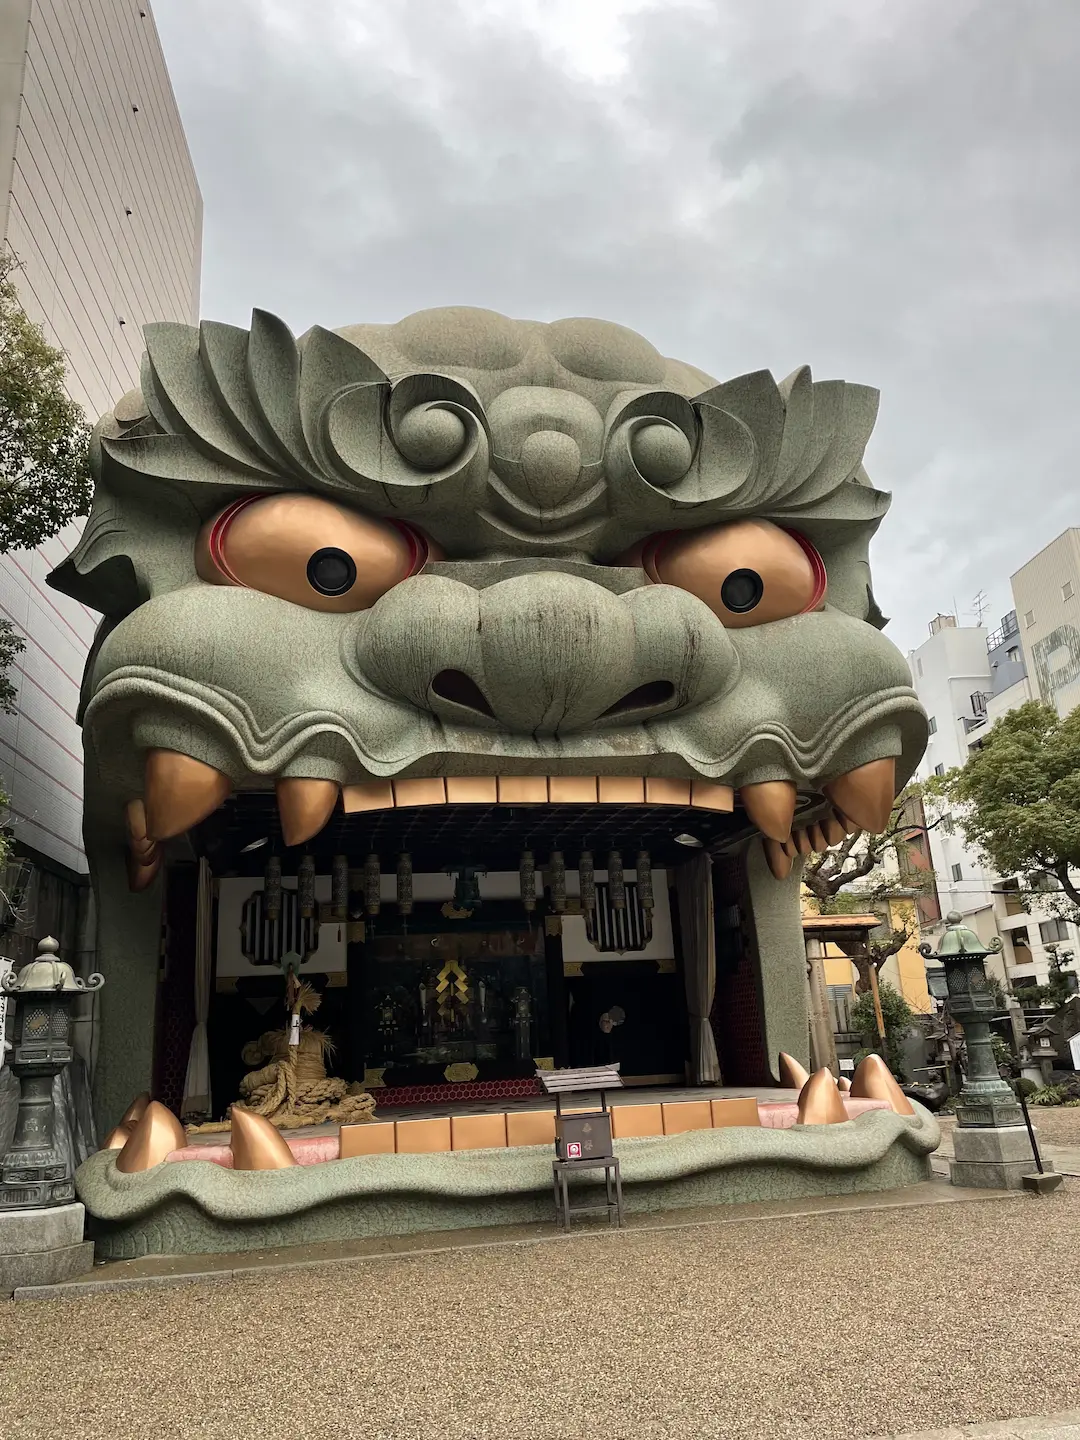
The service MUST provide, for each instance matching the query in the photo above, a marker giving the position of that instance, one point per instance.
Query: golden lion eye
(309, 551)
(748, 572)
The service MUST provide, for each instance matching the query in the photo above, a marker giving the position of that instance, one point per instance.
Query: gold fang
(770, 804)
(304, 806)
(118, 1137)
(792, 1075)
(865, 795)
(820, 1102)
(255, 1143)
(873, 1080)
(180, 791)
(154, 1138)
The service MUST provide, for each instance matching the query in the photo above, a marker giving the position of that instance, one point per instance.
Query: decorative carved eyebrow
(226, 412)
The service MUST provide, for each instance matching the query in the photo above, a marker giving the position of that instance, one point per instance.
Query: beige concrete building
(102, 208)
(1047, 595)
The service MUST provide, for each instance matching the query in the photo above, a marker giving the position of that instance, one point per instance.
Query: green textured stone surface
(192, 1207)
(534, 455)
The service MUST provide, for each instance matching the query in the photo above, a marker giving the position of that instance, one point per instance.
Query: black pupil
(331, 571)
(742, 590)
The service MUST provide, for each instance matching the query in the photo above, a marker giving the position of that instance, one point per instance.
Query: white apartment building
(966, 679)
(100, 204)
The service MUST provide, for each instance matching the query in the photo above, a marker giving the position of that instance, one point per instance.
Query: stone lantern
(991, 1145)
(36, 1172)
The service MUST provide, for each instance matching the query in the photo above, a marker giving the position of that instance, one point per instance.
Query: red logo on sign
(573, 1149)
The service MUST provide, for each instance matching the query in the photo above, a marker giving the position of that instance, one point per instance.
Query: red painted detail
(218, 532)
(821, 579)
(468, 1090)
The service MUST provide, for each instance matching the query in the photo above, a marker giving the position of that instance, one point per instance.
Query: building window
(948, 825)
(1013, 654)
(1010, 893)
(1067, 590)
(978, 702)
(1053, 930)
(1029, 618)
(1019, 938)
(957, 873)
(840, 1003)
(932, 726)
(939, 769)
(918, 666)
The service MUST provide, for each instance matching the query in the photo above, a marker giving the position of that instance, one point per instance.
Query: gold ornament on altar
(460, 1072)
(451, 990)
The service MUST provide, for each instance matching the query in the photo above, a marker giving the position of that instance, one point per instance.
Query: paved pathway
(1063, 1426)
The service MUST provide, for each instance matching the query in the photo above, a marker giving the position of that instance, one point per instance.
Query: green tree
(864, 873)
(44, 453)
(895, 1012)
(1018, 799)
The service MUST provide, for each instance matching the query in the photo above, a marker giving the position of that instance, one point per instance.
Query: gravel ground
(1054, 1124)
(819, 1328)
(1057, 1125)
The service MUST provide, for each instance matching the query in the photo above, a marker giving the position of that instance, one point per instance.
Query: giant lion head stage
(463, 560)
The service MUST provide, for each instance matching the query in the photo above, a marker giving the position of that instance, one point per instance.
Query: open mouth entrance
(436, 978)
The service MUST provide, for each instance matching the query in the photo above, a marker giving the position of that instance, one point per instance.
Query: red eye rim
(419, 548)
(654, 546)
(218, 531)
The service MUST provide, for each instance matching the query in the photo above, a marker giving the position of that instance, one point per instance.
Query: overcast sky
(888, 190)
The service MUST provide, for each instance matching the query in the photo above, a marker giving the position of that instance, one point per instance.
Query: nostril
(645, 697)
(461, 689)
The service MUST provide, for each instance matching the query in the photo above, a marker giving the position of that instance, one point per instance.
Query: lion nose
(544, 653)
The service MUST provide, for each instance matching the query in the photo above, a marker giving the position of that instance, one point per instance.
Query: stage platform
(629, 1095)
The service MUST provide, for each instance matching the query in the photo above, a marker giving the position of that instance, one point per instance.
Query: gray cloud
(890, 193)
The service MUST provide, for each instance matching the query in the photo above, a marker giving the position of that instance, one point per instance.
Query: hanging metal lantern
(586, 882)
(372, 884)
(527, 879)
(339, 887)
(404, 884)
(616, 881)
(305, 887)
(272, 889)
(557, 881)
(644, 881)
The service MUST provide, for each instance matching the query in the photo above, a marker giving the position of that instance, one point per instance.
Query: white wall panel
(82, 158)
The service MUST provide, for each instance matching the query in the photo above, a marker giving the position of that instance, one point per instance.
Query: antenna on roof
(979, 607)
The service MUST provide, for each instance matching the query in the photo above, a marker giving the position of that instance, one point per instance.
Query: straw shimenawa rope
(291, 1087)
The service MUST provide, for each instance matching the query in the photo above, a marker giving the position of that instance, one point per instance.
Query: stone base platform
(992, 1158)
(42, 1247)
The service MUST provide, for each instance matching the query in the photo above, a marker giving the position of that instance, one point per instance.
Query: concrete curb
(1064, 1425)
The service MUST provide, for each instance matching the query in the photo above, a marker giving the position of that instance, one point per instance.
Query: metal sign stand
(583, 1139)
